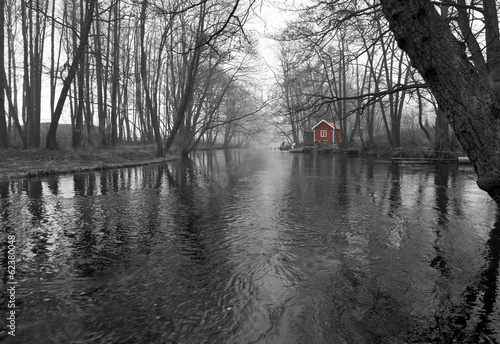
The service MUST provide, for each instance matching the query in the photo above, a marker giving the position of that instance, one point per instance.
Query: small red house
(327, 131)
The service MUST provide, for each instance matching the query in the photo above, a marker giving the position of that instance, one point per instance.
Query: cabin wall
(329, 133)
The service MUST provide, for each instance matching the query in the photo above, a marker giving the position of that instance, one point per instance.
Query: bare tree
(144, 76)
(51, 142)
(167, 59)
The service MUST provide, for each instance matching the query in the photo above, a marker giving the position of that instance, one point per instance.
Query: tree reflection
(395, 200)
(153, 178)
(467, 322)
(342, 184)
(488, 283)
(441, 201)
(34, 190)
(83, 185)
(6, 227)
(53, 184)
(103, 181)
(189, 213)
(482, 297)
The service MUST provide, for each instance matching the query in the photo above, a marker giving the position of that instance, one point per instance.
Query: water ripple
(256, 247)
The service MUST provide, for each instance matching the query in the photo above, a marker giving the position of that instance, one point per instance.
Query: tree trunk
(11, 86)
(51, 142)
(13, 111)
(115, 80)
(441, 132)
(470, 103)
(101, 110)
(420, 115)
(4, 142)
(78, 128)
(188, 90)
(89, 97)
(27, 110)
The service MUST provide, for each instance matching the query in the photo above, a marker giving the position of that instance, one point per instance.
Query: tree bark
(470, 103)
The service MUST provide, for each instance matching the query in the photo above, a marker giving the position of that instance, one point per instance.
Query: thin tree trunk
(101, 111)
(89, 96)
(13, 111)
(115, 77)
(420, 115)
(79, 89)
(4, 140)
(12, 75)
(27, 110)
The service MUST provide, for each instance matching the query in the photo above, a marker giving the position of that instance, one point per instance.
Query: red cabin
(327, 131)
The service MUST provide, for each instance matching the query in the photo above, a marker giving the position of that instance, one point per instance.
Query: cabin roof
(331, 124)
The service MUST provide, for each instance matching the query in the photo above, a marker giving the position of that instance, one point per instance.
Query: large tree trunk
(470, 103)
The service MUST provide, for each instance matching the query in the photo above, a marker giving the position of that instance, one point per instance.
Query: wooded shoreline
(20, 163)
(27, 163)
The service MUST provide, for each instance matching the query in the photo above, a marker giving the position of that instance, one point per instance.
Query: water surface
(255, 247)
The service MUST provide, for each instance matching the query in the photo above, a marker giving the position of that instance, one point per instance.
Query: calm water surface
(254, 247)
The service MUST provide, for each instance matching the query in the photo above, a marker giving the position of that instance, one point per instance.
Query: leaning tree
(455, 46)
(463, 80)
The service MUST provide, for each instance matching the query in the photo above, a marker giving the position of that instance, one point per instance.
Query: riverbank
(387, 152)
(17, 163)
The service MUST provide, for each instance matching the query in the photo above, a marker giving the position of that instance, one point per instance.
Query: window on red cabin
(323, 133)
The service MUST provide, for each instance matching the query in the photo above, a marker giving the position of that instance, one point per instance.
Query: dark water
(254, 247)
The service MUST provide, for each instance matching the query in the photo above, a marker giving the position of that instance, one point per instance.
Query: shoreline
(19, 164)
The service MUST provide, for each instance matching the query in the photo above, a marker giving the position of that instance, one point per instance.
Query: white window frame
(323, 133)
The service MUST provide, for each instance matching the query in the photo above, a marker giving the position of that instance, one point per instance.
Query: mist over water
(255, 247)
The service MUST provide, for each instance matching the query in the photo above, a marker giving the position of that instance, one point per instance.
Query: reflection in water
(255, 247)
(488, 284)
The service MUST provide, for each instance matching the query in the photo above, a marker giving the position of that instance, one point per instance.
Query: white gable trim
(326, 124)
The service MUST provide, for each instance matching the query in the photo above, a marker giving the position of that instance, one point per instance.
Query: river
(254, 247)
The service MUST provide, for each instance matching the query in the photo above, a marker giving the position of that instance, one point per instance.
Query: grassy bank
(16, 163)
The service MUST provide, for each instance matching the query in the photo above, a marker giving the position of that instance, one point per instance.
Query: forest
(172, 73)
(188, 74)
